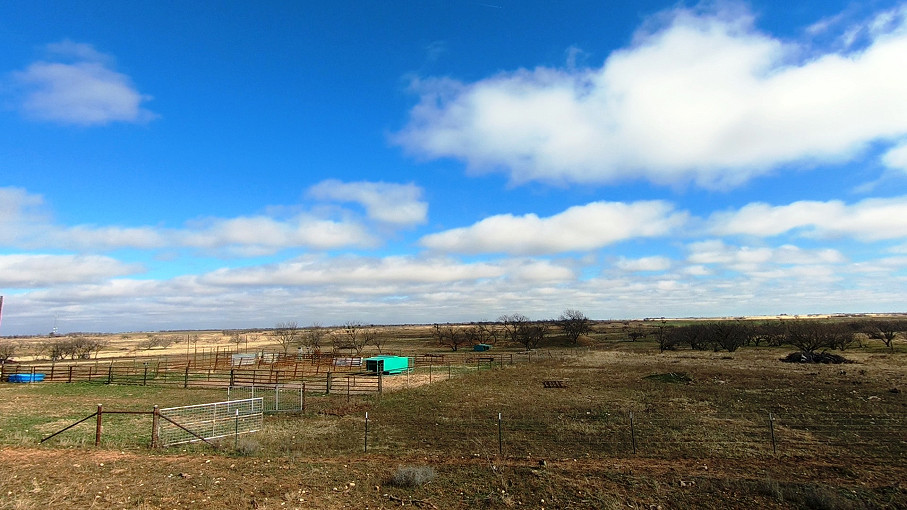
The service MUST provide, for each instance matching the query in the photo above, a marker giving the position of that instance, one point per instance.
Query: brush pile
(815, 357)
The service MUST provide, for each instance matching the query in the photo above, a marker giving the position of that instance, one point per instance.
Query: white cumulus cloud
(584, 227)
(896, 158)
(705, 97)
(79, 86)
(872, 219)
(39, 270)
(644, 264)
(396, 204)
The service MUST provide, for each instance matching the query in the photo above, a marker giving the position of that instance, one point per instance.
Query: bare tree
(7, 350)
(886, 331)
(313, 337)
(810, 335)
(575, 324)
(636, 332)
(476, 334)
(531, 334)
(286, 334)
(772, 333)
(491, 331)
(664, 336)
(350, 337)
(727, 335)
(370, 336)
(235, 336)
(511, 325)
(449, 336)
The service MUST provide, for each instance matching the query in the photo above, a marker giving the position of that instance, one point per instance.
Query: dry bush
(412, 476)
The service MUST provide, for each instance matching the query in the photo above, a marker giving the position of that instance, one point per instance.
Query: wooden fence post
(110, 374)
(327, 385)
(186, 378)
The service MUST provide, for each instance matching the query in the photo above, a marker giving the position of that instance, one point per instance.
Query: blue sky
(239, 164)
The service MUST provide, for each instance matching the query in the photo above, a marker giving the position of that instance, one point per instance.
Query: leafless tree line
(805, 335)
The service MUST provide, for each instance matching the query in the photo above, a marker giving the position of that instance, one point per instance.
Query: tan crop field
(607, 423)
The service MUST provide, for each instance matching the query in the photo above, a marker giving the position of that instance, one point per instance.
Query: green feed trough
(387, 364)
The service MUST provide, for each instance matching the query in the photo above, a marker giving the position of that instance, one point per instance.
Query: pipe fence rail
(207, 422)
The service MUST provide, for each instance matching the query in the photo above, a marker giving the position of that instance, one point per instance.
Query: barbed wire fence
(624, 433)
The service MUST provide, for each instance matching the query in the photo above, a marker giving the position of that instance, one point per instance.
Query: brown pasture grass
(701, 444)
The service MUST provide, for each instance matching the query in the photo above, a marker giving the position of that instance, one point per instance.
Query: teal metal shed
(387, 364)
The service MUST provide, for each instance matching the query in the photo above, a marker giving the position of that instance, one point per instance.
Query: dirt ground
(47, 478)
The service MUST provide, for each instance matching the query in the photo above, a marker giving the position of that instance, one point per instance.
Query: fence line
(319, 373)
(627, 433)
(206, 422)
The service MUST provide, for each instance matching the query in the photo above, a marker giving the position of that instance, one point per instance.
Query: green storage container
(387, 364)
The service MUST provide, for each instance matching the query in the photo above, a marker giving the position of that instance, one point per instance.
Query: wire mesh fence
(204, 422)
(276, 398)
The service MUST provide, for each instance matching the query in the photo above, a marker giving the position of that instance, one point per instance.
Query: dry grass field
(700, 426)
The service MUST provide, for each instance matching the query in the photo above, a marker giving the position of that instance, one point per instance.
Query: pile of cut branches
(815, 357)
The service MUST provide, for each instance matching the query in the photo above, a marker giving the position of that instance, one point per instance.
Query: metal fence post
(110, 374)
(380, 383)
(97, 429)
(155, 422)
(186, 378)
(500, 437)
(632, 433)
(236, 431)
(771, 427)
(366, 432)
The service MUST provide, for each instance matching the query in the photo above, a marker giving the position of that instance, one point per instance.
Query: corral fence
(319, 373)
(275, 399)
(208, 422)
(344, 382)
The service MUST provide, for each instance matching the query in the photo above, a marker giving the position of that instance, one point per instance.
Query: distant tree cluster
(158, 341)
(805, 335)
(78, 347)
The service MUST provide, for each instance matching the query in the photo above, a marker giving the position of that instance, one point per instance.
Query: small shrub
(412, 476)
(247, 446)
(771, 489)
